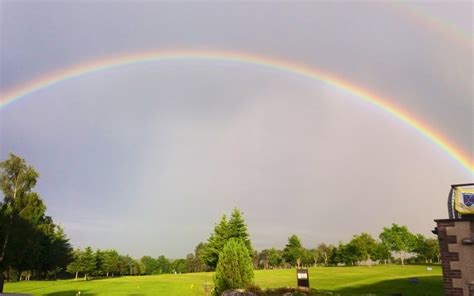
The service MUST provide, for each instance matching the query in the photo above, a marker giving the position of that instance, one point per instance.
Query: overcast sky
(146, 158)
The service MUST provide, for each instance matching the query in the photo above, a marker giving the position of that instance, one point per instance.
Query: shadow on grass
(84, 293)
(427, 286)
(70, 293)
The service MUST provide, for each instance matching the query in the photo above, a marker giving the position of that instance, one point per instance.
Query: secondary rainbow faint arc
(239, 57)
(431, 22)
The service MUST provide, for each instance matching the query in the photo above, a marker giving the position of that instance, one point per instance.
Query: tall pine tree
(216, 243)
(235, 227)
(88, 261)
(238, 229)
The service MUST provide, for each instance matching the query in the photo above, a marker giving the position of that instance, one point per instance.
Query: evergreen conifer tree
(234, 269)
(216, 243)
(238, 229)
(88, 262)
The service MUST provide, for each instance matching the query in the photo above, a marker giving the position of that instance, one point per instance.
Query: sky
(145, 158)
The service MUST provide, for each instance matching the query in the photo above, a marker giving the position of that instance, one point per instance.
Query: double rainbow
(239, 57)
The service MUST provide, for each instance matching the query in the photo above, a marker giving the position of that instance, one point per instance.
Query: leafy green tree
(195, 262)
(307, 259)
(111, 264)
(164, 265)
(199, 253)
(179, 266)
(323, 253)
(346, 254)
(29, 235)
(254, 256)
(275, 258)
(29, 240)
(99, 260)
(191, 263)
(433, 252)
(363, 246)
(151, 266)
(234, 268)
(125, 265)
(76, 266)
(17, 180)
(293, 251)
(426, 249)
(262, 259)
(138, 267)
(88, 261)
(269, 258)
(398, 239)
(334, 257)
(382, 253)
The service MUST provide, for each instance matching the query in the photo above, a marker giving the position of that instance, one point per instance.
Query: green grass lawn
(380, 280)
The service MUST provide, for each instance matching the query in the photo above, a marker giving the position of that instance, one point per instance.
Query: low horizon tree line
(362, 249)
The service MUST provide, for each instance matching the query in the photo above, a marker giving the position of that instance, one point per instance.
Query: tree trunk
(5, 243)
(2, 280)
(7, 235)
(77, 274)
(107, 274)
(402, 258)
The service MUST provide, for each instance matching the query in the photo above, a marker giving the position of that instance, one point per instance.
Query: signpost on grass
(302, 278)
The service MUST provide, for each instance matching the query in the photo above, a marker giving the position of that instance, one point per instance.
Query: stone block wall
(457, 258)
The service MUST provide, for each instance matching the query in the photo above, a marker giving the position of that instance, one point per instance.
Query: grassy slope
(348, 280)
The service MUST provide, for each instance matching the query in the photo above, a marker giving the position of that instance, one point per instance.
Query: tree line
(104, 263)
(361, 249)
(101, 263)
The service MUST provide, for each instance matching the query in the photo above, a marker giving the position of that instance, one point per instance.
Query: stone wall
(457, 258)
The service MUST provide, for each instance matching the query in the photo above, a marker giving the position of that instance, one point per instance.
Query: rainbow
(432, 22)
(239, 57)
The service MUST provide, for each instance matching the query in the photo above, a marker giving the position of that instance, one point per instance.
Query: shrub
(234, 268)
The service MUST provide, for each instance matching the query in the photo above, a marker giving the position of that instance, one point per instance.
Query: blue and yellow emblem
(464, 202)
